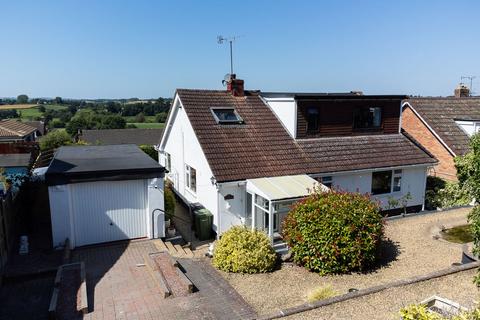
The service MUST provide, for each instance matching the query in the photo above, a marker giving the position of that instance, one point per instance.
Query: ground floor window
(191, 178)
(387, 181)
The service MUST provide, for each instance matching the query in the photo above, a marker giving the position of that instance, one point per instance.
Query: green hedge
(445, 194)
(334, 232)
(241, 250)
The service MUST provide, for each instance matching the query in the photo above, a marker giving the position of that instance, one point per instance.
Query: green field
(148, 125)
(31, 113)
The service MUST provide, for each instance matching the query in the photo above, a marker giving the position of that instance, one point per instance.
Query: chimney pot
(462, 91)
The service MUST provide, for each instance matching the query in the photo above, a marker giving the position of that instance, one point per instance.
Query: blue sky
(121, 49)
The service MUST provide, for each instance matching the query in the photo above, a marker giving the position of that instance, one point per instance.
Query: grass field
(32, 112)
(148, 125)
(17, 106)
(131, 119)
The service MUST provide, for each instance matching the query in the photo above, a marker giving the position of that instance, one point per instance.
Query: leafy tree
(42, 109)
(83, 119)
(161, 117)
(22, 99)
(112, 122)
(58, 100)
(140, 117)
(55, 139)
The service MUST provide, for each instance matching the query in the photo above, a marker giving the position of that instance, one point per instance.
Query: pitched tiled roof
(122, 136)
(441, 113)
(13, 128)
(261, 147)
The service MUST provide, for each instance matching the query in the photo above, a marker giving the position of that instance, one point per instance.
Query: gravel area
(386, 304)
(411, 250)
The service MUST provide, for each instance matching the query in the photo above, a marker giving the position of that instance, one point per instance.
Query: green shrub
(55, 139)
(150, 150)
(420, 312)
(334, 232)
(321, 293)
(241, 250)
(169, 202)
(445, 194)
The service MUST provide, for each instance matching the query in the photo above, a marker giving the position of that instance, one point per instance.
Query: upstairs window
(312, 119)
(367, 118)
(327, 181)
(226, 116)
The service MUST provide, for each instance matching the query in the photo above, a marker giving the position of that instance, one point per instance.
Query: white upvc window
(168, 161)
(191, 178)
(388, 181)
(327, 181)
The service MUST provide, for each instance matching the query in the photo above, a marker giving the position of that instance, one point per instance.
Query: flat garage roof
(72, 164)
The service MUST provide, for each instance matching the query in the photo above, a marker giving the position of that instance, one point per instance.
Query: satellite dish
(226, 79)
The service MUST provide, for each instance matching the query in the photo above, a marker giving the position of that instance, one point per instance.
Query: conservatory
(270, 199)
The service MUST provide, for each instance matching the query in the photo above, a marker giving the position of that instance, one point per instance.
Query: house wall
(413, 182)
(184, 148)
(285, 110)
(59, 197)
(420, 132)
(336, 117)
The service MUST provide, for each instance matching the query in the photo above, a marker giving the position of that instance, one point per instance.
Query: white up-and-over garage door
(106, 211)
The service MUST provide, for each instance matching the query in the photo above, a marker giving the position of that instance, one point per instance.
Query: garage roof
(101, 163)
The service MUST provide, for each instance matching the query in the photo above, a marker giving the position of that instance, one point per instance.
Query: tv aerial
(230, 40)
(471, 78)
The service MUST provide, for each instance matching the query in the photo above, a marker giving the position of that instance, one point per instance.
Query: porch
(269, 200)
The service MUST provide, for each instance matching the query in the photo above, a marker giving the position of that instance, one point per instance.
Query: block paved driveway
(119, 288)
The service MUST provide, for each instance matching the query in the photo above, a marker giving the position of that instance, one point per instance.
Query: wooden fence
(8, 227)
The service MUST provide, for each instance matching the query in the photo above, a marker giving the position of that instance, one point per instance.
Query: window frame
(192, 187)
(168, 161)
(327, 181)
(316, 120)
(239, 119)
(394, 174)
(360, 128)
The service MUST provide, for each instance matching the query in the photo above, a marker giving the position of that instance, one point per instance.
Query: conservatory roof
(284, 187)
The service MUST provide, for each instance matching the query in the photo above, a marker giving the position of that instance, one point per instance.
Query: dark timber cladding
(336, 113)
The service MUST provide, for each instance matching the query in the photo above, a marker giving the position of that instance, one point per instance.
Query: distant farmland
(17, 106)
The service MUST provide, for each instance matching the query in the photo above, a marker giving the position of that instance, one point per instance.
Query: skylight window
(226, 116)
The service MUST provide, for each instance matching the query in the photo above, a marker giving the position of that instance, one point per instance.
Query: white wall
(413, 182)
(156, 208)
(285, 110)
(183, 146)
(469, 127)
(59, 197)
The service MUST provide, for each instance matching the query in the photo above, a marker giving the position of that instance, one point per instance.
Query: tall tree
(22, 99)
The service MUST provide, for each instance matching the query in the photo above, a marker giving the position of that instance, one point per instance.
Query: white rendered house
(246, 156)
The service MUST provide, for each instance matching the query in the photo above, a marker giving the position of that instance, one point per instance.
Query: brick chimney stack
(462, 91)
(235, 86)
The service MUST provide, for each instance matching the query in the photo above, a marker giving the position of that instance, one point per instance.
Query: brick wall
(415, 127)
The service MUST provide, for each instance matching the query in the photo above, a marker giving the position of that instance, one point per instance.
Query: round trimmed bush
(334, 232)
(241, 250)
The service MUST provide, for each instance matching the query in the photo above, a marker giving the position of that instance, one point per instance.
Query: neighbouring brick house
(443, 125)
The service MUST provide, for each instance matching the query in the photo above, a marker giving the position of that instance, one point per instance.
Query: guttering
(372, 169)
(430, 128)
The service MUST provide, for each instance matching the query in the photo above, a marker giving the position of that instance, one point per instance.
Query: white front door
(109, 211)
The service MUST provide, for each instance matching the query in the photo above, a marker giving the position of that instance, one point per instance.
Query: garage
(101, 194)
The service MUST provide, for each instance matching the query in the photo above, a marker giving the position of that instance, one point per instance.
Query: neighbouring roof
(40, 125)
(15, 160)
(13, 128)
(284, 187)
(96, 163)
(440, 114)
(261, 147)
(122, 136)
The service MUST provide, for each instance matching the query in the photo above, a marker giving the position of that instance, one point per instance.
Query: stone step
(179, 251)
(160, 245)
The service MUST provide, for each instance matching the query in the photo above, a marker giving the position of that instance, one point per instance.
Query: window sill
(191, 192)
